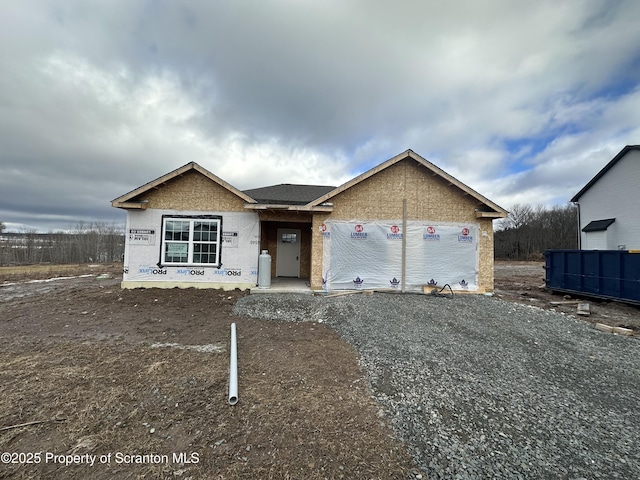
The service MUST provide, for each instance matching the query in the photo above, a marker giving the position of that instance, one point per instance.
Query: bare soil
(113, 372)
(523, 282)
(118, 376)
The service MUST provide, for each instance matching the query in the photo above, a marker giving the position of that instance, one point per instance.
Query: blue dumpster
(610, 274)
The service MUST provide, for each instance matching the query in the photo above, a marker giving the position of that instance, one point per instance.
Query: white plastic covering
(368, 255)
(239, 250)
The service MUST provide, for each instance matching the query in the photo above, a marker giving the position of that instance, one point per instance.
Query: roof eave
(288, 208)
(491, 214)
(130, 205)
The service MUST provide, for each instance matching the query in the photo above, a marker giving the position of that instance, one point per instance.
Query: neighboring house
(403, 224)
(609, 205)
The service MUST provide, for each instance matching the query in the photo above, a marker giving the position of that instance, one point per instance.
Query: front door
(288, 254)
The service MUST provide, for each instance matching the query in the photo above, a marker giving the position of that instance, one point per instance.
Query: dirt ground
(100, 382)
(523, 282)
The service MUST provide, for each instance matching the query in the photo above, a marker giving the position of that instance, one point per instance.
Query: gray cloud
(522, 101)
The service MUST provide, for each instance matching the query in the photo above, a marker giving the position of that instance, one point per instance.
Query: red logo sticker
(465, 231)
(395, 229)
(431, 230)
(359, 228)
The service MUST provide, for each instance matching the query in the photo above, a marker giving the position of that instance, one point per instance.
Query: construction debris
(623, 331)
(584, 309)
(616, 330)
(604, 328)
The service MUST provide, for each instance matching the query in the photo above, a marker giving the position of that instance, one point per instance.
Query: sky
(523, 101)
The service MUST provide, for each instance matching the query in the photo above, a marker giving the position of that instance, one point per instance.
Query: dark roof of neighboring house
(288, 193)
(598, 225)
(606, 168)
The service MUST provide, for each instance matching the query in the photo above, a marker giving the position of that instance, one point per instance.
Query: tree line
(530, 230)
(96, 242)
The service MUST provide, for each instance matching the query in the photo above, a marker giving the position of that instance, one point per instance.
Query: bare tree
(519, 215)
(5, 248)
(528, 231)
(95, 242)
(515, 239)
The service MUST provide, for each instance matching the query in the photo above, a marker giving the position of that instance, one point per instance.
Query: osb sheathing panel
(193, 191)
(428, 197)
(485, 276)
(316, 250)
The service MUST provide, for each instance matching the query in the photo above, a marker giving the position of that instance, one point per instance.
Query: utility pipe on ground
(233, 368)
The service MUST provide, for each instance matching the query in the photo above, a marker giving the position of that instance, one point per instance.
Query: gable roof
(606, 168)
(494, 210)
(305, 197)
(128, 199)
(288, 193)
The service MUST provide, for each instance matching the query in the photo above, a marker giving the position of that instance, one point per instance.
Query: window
(191, 241)
(289, 238)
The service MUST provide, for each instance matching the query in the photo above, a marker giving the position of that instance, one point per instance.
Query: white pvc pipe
(233, 368)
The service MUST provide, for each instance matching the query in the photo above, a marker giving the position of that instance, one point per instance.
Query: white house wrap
(368, 255)
(236, 242)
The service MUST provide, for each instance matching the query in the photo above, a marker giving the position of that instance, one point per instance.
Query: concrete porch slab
(286, 285)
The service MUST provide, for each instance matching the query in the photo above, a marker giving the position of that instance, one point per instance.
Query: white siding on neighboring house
(595, 240)
(614, 195)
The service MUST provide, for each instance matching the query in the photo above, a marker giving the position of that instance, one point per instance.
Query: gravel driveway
(482, 388)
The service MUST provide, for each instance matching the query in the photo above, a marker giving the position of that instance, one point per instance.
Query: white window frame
(190, 241)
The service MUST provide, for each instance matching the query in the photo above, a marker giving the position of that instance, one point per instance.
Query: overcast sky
(522, 101)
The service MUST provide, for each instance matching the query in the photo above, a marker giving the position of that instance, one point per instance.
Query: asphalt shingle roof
(288, 193)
